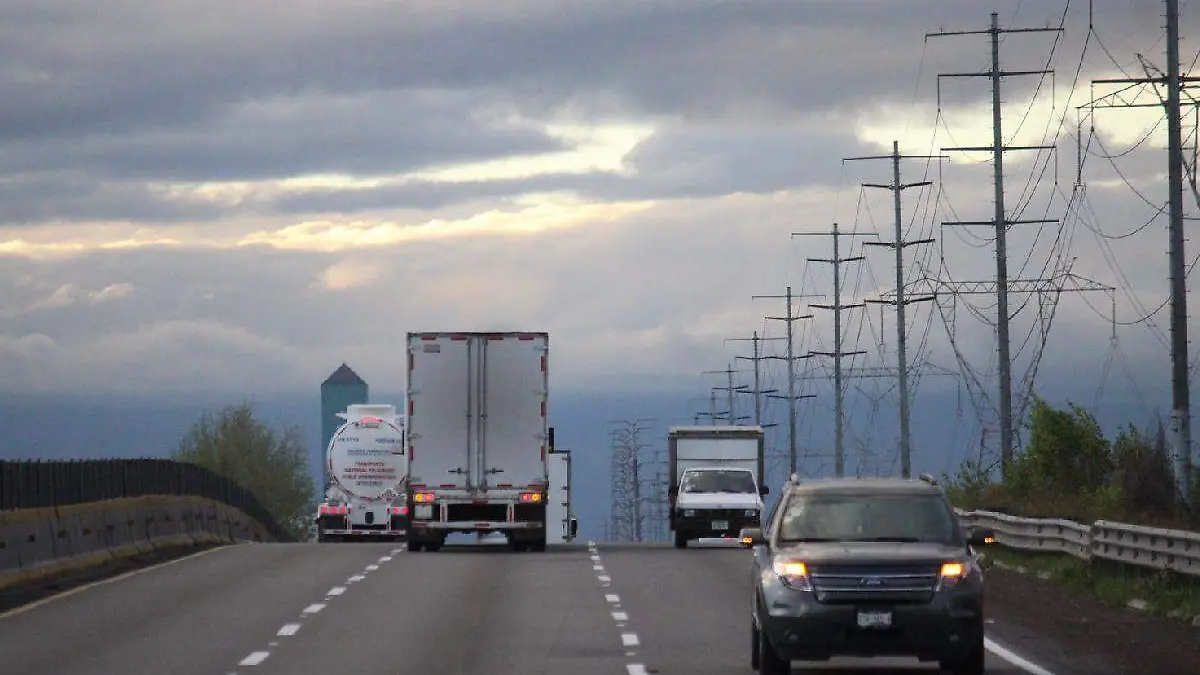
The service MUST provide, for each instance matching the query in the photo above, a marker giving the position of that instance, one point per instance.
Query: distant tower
(340, 390)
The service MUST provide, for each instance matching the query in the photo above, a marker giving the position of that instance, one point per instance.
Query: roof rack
(928, 479)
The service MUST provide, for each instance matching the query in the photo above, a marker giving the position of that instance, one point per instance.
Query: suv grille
(721, 513)
(892, 584)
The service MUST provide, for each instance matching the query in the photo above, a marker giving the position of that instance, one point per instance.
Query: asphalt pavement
(376, 609)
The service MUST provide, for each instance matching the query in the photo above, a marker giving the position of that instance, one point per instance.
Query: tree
(1067, 453)
(271, 465)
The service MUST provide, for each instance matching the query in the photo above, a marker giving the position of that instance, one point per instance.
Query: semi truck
(367, 468)
(717, 481)
(478, 438)
(562, 526)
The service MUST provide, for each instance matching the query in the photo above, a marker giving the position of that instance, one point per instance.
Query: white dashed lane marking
(620, 617)
(629, 640)
(289, 629)
(254, 659)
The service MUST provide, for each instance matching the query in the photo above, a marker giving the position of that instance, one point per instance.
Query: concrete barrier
(37, 544)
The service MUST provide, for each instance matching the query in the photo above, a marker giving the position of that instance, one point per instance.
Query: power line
(789, 318)
(900, 300)
(728, 372)
(1000, 221)
(839, 460)
(757, 391)
(1181, 424)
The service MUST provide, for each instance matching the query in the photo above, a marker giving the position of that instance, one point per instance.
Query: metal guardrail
(1151, 547)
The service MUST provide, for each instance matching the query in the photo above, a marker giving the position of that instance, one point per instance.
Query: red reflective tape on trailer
(447, 485)
(427, 337)
(460, 337)
(410, 362)
(527, 336)
(416, 485)
(543, 363)
(483, 524)
(543, 407)
(506, 486)
(493, 338)
(543, 453)
(411, 405)
(412, 452)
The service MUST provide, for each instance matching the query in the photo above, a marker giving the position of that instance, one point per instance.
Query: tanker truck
(368, 469)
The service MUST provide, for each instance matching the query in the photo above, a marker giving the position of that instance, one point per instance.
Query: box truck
(478, 439)
(717, 480)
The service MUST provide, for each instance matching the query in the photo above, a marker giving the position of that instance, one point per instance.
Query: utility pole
(757, 391)
(626, 487)
(789, 318)
(1181, 412)
(1000, 222)
(839, 449)
(900, 301)
(728, 372)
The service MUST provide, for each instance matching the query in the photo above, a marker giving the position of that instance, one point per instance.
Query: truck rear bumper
(473, 526)
(365, 533)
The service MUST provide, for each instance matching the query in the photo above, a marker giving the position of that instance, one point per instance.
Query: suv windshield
(867, 517)
(718, 481)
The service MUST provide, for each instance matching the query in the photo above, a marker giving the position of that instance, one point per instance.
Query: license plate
(874, 619)
(424, 511)
(720, 525)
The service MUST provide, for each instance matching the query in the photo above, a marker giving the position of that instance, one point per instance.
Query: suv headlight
(954, 573)
(793, 574)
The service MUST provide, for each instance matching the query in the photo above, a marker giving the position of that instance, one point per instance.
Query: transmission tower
(1000, 222)
(1181, 414)
(839, 449)
(789, 318)
(900, 301)
(626, 494)
(757, 391)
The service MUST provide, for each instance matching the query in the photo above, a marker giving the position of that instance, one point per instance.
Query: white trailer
(562, 524)
(478, 439)
(368, 467)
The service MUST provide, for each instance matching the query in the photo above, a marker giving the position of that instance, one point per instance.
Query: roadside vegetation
(273, 464)
(1069, 469)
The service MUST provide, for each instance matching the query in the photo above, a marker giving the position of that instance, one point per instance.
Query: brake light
(423, 497)
(399, 510)
(334, 510)
(530, 497)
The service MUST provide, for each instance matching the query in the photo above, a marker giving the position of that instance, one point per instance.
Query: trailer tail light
(423, 497)
(399, 510)
(531, 497)
(335, 510)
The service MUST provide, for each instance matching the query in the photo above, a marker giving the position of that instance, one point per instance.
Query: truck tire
(539, 544)
(681, 540)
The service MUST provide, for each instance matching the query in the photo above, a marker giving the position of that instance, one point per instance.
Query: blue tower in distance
(340, 390)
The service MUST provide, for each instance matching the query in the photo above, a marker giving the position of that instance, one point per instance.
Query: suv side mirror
(672, 491)
(981, 536)
(764, 490)
(574, 527)
(750, 537)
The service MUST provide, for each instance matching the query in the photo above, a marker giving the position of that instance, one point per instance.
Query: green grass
(1167, 593)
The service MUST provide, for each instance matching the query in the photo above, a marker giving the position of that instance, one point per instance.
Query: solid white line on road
(629, 640)
(254, 659)
(620, 616)
(612, 598)
(1013, 658)
(313, 609)
(336, 590)
(289, 629)
(636, 669)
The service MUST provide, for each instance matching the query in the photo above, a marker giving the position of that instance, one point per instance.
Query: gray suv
(865, 567)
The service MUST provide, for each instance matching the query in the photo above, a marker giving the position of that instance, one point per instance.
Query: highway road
(367, 609)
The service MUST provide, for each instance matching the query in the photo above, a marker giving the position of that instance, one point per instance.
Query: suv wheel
(769, 662)
(973, 663)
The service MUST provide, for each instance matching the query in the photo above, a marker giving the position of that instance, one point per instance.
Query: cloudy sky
(236, 197)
